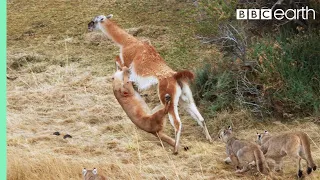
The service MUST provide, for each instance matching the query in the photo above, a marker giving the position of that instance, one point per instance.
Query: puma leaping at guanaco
(243, 153)
(147, 68)
(293, 144)
(137, 109)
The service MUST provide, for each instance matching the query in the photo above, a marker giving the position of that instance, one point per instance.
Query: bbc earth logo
(279, 14)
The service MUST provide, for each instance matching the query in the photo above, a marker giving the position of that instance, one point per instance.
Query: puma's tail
(261, 162)
(184, 75)
(307, 151)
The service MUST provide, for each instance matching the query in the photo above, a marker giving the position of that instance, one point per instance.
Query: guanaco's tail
(187, 99)
(184, 74)
(307, 151)
(261, 162)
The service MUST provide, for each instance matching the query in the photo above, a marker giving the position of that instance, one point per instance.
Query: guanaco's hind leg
(187, 102)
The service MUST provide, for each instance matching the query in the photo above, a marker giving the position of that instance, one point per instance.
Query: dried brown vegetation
(62, 84)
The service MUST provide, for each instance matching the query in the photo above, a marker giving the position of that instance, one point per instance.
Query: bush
(214, 88)
(290, 68)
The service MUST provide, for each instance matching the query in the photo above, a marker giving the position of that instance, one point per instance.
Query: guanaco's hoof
(168, 97)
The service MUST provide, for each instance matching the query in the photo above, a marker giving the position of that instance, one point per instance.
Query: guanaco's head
(96, 22)
(89, 174)
(261, 136)
(225, 134)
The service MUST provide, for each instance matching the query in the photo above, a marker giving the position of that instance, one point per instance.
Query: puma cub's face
(225, 134)
(96, 22)
(89, 174)
(261, 136)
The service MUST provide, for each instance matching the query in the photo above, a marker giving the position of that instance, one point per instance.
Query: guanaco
(147, 68)
(294, 144)
(242, 153)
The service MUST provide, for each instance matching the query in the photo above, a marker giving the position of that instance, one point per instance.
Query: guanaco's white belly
(143, 83)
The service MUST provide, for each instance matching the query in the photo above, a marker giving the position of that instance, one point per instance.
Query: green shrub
(214, 88)
(291, 67)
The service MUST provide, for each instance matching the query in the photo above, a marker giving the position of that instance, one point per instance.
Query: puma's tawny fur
(243, 153)
(137, 109)
(92, 174)
(294, 144)
(147, 68)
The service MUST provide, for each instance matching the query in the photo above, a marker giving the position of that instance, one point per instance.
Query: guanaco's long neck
(116, 34)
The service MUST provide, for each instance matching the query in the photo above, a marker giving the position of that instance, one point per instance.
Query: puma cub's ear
(109, 16)
(229, 128)
(95, 171)
(266, 132)
(84, 171)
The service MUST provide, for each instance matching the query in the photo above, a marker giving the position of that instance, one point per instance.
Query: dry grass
(63, 85)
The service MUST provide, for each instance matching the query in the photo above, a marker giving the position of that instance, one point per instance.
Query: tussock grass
(62, 84)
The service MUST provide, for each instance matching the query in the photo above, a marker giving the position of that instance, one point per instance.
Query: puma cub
(243, 153)
(293, 144)
(92, 174)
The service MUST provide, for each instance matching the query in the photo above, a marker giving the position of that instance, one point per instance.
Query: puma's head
(117, 80)
(89, 174)
(95, 24)
(225, 134)
(120, 81)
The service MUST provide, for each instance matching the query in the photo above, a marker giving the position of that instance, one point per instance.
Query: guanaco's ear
(84, 171)
(109, 16)
(95, 171)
